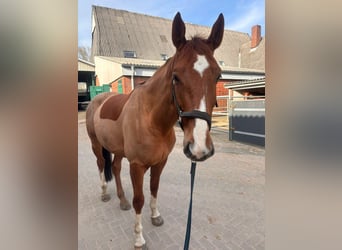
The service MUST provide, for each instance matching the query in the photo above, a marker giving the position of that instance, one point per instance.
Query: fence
(95, 90)
(247, 120)
(243, 117)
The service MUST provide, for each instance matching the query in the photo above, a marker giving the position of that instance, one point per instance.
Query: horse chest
(151, 150)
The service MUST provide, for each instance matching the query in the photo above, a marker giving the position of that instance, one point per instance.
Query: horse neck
(163, 112)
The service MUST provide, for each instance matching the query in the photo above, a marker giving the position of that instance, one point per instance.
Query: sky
(240, 15)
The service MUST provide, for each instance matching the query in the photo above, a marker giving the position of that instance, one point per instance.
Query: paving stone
(228, 205)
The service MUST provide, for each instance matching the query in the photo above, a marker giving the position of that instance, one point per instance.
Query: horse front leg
(137, 176)
(116, 166)
(156, 170)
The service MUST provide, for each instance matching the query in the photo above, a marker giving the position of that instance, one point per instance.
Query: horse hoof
(125, 205)
(157, 221)
(143, 247)
(105, 197)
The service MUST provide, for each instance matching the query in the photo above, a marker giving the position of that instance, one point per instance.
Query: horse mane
(198, 38)
(138, 84)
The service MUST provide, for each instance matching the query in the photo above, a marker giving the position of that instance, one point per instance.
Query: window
(163, 38)
(120, 20)
(120, 87)
(164, 57)
(129, 54)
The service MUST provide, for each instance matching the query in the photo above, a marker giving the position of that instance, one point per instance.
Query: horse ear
(216, 35)
(178, 31)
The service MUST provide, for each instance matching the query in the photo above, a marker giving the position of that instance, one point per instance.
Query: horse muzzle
(195, 153)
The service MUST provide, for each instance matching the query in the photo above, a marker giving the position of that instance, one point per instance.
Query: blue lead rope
(188, 226)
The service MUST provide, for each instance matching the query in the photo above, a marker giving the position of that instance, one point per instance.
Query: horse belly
(109, 134)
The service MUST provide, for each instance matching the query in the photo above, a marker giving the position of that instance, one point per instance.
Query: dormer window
(164, 57)
(129, 54)
(163, 38)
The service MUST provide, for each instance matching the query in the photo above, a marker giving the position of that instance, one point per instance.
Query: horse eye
(175, 79)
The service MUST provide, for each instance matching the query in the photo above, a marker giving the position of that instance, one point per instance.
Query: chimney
(256, 36)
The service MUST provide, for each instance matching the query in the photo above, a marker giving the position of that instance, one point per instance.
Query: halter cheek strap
(188, 114)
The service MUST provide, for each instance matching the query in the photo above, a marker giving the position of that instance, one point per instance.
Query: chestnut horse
(140, 126)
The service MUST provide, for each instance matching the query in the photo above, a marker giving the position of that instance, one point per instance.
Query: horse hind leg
(104, 195)
(116, 166)
(102, 157)
(106, 174)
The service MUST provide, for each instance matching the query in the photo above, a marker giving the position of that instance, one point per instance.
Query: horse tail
(108, 164)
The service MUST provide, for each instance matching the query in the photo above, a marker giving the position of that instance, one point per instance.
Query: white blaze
(201, 64)
(200, 133)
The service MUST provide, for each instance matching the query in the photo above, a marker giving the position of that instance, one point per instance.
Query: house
(128, 48)
(86, 76)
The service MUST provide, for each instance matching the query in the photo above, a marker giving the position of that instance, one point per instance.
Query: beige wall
(85, 67)
(106, 71)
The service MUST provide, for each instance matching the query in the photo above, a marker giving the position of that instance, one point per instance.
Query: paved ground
(228, 205)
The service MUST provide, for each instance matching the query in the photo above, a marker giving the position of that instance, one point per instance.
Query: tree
(84, 53)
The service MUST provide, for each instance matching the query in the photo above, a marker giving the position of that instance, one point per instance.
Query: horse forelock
(199, 44)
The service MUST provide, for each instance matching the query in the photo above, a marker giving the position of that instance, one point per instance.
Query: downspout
(132, 77)
(230, 114)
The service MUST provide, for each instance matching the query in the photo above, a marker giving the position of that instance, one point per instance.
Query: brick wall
(115, 86)
(220, 90)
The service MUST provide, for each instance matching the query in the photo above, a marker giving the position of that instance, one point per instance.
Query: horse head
(195, 73)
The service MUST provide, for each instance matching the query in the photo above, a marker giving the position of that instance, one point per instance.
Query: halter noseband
(188, 114)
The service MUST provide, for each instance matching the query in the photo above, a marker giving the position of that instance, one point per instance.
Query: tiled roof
(145, 63)
(253, 58)
(117, 31)
(135, 61)
(241, 70)
(260, 82)
(86, 62)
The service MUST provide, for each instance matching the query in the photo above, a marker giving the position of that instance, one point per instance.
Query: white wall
(107, 71)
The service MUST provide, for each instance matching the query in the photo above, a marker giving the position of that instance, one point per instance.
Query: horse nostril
(186, 150)
(212, 151)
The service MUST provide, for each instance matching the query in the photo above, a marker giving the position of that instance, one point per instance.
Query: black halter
(188, 114)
